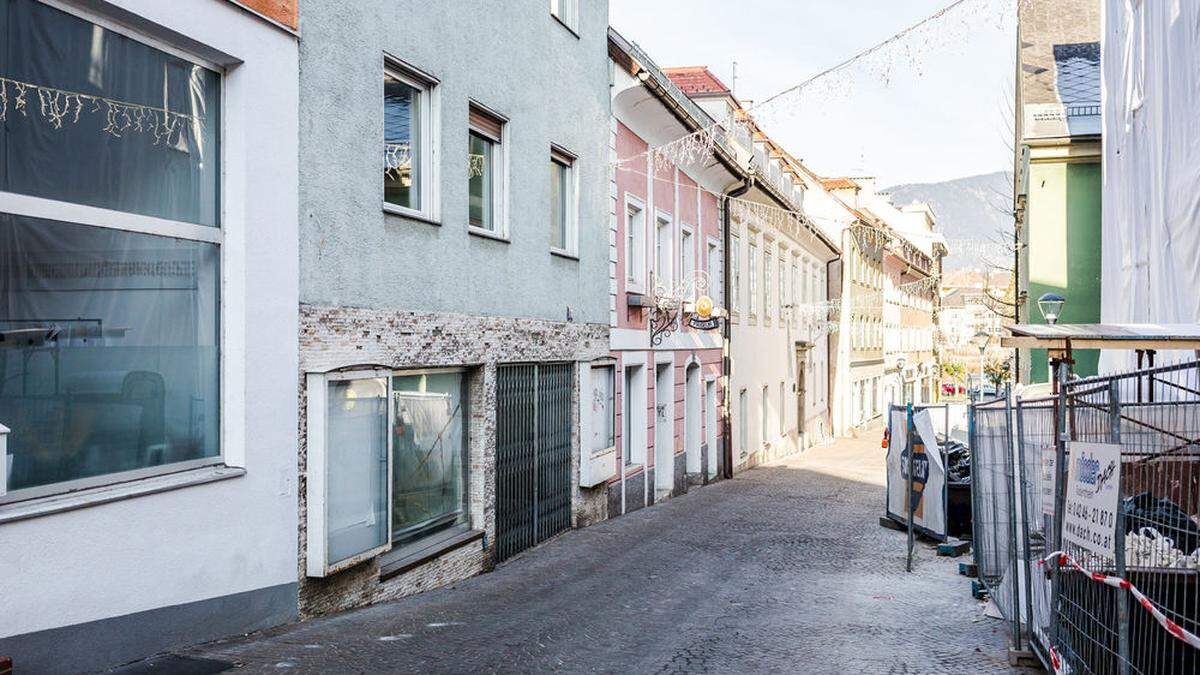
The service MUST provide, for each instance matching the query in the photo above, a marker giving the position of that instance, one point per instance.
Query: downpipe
(727, 330)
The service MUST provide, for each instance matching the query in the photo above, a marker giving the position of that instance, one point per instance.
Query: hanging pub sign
(703, 318)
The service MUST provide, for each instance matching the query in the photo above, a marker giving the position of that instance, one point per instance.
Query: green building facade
(1058, 179)
(1062, 223)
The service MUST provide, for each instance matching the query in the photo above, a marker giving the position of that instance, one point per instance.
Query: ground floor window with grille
(387, 462)
(533, 454)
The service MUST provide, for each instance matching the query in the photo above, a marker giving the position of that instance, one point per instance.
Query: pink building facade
(667, 248)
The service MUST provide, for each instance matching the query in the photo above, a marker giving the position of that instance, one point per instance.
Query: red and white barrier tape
(1117, 582)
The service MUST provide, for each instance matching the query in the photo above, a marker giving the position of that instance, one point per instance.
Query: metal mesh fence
(1154, 415)
(1036, 455)
(1021, 454)
(994, 511)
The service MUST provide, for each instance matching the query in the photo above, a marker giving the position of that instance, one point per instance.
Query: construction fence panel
(1154, 416)
(1136, 609)
(1036, 453)
(995, 511)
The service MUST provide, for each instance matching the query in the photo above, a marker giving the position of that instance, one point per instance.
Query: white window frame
(593, 369)
(634, 455)
(664, 251)
(687, 233)
(781, 284)
(430, 132)
(768, 263)
(571, 229)
(712, 267)
(500, 176)
(317, 563)
(567, 13)
(752, 266)
(735, 275)
(635, 259)
(782, 409)
(798, 299)
(743, 421)
(765, 424)
(231, 266)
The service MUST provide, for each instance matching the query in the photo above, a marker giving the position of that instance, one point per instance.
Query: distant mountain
(973, 212)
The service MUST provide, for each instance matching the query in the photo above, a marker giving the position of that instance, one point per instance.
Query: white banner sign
(1093, 497)
(1049, 455)
(929, 473)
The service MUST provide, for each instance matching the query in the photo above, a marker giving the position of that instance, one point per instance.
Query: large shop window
(429, 445)
(109, 255)
(387, 458)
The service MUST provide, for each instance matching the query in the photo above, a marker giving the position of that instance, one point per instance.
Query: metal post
(975, 473)
(908, 441)
(1023, 482)
(1114, 430)
(1060, 487)
(980, 374)
(537, 393)
(1012, 522)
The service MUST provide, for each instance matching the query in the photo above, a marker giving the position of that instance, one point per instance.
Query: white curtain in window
(140, 128)
(109, 357)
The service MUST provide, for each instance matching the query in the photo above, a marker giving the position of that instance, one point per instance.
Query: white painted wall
(238, 534)
(763, 353)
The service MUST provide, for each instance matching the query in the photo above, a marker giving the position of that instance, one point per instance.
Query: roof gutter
(685, 118)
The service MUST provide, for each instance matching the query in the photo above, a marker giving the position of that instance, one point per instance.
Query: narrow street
(783, 569)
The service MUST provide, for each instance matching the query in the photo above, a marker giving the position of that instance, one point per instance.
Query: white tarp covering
(1151, 199)
(929, 473)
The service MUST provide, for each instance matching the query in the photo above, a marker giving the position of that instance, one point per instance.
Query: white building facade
(148, 324)
(779, 392)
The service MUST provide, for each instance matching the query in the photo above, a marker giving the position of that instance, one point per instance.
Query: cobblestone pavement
(783, 569)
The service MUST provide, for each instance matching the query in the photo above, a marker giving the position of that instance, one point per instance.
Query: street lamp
(981, 340)
(1050, 305)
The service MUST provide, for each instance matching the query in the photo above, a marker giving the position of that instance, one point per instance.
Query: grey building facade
(454, 263)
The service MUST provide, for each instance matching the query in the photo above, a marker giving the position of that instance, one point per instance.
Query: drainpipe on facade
(830, 367)
(726, 364)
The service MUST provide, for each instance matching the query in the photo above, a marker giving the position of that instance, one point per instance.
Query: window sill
(400, 560)
(564, 254)
(562, 23)
(392, 209)
(81, 499)
(487, 234)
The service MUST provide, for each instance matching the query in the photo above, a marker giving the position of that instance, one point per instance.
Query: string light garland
(788, 220)
(910, 45)
(397, 160)
(61, 106)
(475, 165)
(792, 223)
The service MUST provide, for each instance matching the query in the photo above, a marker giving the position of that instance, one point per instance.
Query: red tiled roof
(838, 184)
(693, 80)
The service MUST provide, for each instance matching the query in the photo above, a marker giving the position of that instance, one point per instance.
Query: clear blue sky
(946, 117)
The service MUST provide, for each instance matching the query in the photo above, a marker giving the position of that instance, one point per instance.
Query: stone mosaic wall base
(333, 338)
